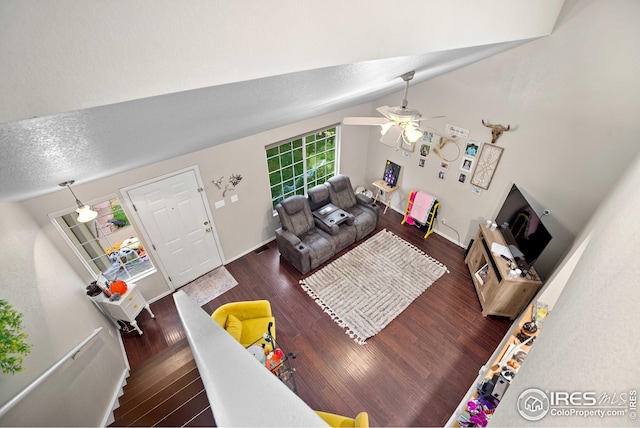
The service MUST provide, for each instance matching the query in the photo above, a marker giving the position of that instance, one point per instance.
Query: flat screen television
(522, 229)
(391, 173)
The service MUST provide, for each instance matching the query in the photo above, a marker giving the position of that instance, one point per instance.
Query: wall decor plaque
(486, 165)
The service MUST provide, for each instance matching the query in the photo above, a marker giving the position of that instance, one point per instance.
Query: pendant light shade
(85, 213)
(412, 133)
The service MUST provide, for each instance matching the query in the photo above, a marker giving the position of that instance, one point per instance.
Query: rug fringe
(334, 317)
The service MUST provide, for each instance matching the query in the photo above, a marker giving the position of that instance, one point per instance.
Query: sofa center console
(330, 215)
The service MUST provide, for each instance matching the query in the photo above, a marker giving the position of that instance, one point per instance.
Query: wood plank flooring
(413, 373)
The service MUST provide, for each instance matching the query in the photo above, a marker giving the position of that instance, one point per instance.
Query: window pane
(297, 144)
(287, 173)
(311, 149)
(274, 178)
(272, 152)
(286, 147)
(286, 159)
(297, 155)
(288, 187)
(331, 170)
(273, 164)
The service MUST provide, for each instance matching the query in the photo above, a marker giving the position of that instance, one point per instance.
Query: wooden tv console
(498, 294)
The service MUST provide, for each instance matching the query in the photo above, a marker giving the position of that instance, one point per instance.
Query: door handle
(208, 229)
(206, 223)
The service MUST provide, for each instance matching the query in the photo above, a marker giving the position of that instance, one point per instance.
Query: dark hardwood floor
(413, 373)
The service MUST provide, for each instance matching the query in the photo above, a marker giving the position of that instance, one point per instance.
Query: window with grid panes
(108, 245)
(299, 164)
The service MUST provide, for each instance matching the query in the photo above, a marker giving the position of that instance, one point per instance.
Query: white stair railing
(33, 385)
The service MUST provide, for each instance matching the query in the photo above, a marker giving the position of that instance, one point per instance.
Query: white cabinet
(127, 308)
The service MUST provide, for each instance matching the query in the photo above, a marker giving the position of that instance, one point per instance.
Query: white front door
(172, 210)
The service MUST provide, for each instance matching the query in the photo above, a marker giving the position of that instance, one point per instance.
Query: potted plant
(12, 339)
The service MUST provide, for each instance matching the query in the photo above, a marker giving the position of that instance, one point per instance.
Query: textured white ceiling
(82, 81)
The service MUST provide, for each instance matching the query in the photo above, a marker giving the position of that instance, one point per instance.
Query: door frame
(142, 229)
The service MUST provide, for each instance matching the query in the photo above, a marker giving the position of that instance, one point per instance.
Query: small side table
(127, 308)
(383, 186)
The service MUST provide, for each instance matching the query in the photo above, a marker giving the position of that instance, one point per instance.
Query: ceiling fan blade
(364, 121)
(392, 137)
(384, 110)
(429, 118)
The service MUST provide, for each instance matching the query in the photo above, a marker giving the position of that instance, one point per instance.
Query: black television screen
(521, 227)
(391, 173)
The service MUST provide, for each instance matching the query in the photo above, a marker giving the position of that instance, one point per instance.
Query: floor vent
(261, 249)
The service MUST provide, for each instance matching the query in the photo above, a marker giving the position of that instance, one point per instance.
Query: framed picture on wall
(472, 148)
(466, 164)
(487, 163)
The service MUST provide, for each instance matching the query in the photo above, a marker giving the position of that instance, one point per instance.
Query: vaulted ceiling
(90, 89)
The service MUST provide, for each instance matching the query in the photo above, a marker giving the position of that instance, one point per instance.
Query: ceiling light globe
(86, 214)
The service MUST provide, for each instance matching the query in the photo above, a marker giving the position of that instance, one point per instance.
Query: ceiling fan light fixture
(413, 134)
(385, 128)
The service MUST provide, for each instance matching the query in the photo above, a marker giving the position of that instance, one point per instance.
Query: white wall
(241, 226)
(571, 101)
(57, 315)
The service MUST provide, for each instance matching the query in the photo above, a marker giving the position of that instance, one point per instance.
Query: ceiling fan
(400, 125)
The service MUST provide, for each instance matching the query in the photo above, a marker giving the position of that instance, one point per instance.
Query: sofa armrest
(363, 199)
(289, 237)
(294, 250)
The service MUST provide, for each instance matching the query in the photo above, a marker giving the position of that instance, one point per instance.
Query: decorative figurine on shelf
(527, 331)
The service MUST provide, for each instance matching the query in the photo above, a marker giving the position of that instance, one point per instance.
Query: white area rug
(209, 286)
(372, 284)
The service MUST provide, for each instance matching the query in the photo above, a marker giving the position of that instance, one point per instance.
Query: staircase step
(168, 360)
(170, 405)
(185, 412)
(204, 419)
(149, 397)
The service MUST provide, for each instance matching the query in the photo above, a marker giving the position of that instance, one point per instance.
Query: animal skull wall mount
(496, 131)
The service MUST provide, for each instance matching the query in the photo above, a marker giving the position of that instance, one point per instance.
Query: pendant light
(85, 213)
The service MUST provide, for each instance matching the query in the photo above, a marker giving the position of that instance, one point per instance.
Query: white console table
(127, 308)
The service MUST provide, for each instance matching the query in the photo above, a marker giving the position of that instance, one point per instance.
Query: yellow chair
(246, 321)
(361, 420)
